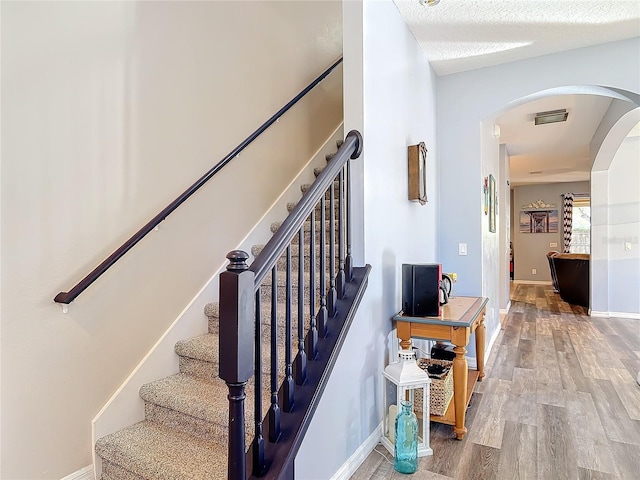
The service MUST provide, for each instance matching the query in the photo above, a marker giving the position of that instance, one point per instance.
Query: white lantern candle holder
(402, 380)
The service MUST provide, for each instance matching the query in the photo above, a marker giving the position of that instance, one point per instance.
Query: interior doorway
(609, 107)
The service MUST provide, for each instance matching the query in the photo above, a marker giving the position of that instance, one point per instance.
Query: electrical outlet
(534, 271)
(553, 245)
(627, 246)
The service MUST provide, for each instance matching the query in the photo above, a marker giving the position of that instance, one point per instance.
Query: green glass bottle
(406, 441)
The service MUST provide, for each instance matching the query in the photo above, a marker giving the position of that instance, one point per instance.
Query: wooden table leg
(460, 378)
(403, 331)
(481, 334)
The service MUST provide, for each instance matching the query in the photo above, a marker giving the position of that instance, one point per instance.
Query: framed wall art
(485, 191)
(539, 217)
(539, 221)
(492, 204)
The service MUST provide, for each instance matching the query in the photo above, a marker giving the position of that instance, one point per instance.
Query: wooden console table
(460, 318)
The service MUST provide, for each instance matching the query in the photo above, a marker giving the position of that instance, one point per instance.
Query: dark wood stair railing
(82, 285)
(279, 434)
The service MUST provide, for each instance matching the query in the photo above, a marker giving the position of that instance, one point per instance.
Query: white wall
(109, 111)
(504, 227)
(467, 99)
(624, 228)
(616, 110)
(490, 247)
(604, 242)
(399, 110)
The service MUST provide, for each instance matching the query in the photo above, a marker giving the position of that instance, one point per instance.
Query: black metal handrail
(82, 285)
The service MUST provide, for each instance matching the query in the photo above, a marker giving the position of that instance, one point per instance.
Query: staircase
(185, 434)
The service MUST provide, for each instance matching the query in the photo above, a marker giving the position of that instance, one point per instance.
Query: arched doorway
(618, 119)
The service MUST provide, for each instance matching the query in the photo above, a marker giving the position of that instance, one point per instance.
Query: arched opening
(615, 186)
(618, 114)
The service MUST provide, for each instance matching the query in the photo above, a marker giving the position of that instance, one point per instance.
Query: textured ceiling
(459, 35)
(556, 152)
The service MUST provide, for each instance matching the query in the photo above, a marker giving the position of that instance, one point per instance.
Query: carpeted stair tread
(295, 249)
(295, 258)
(281, 278)
(197, 406)
(151, 451)
(265, 311)
(327, 207)
(282, 290)
(275, 226)
(189, 395)
(199, 355)
(202, 347)
(112, 471)
(336, 188)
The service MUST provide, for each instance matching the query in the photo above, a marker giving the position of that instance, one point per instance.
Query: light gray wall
(530, 249)
(398, 88)
(615, 111)
(110, 110)
(490, 246)
(604, 285)
(465, 101)
(348, 413)
(599, 267)
(624, 228)
(504, 207)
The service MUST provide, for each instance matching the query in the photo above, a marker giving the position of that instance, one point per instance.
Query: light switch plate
(462, 249)
(627, 246)
(553, 245)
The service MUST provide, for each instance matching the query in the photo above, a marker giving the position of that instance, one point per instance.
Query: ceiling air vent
(552, 116)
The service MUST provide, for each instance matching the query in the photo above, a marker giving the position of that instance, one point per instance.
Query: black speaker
(421, 289)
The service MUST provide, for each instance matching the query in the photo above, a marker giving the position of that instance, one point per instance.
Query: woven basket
(440, 391)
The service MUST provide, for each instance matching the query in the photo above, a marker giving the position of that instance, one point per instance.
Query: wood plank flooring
(560, 401)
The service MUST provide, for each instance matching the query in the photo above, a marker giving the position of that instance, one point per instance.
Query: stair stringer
(125, 407)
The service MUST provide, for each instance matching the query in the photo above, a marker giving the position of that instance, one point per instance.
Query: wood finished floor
(560, 401)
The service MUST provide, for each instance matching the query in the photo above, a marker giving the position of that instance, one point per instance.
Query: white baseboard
(488, 348)
(358, 457)
(534, 282)
(635, 316)
(85, 473)
(504, 311)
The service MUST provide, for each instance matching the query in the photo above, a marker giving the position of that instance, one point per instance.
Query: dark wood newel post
(236, 350)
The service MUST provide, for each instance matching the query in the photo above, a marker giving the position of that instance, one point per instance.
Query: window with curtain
(581, 225)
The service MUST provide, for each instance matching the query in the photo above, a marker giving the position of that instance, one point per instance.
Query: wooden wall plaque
(418, 173)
